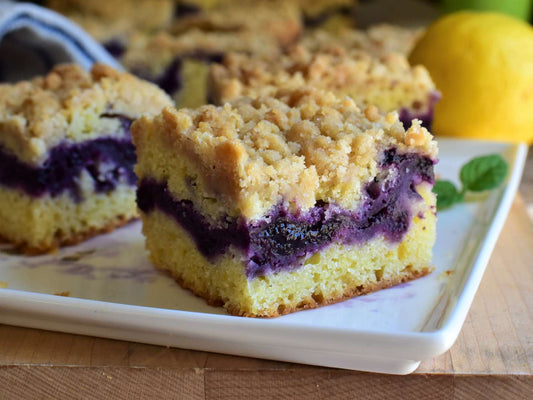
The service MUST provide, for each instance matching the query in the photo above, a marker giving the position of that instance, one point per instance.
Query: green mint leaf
(447, 194)
(483, 173)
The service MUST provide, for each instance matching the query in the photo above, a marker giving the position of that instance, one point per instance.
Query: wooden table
(492, 358)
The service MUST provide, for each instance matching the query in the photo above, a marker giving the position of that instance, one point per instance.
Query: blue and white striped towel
(33, 39)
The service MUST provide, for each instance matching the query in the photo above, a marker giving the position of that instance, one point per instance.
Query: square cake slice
(66, 156)
(271, 205)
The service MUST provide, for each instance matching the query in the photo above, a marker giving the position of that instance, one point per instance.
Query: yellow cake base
(193, 93)
(336, 273)
(42, 224)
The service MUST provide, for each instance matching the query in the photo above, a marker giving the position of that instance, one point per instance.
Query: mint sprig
(477, 175)
(447, 194)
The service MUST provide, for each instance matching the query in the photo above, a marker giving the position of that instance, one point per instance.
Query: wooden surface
(526, 187)
(492, 358)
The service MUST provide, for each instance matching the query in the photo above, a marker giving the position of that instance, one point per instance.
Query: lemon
(483, 65)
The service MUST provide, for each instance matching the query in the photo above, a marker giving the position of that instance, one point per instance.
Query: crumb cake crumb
(67, 104)
(299, 146)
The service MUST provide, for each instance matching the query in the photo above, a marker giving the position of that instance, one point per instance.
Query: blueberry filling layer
(109, 161)
(424, 114)
(171, 79)
(115, 47)
(282, 239)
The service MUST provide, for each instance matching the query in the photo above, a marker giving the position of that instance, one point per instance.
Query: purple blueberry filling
(423, 114)
(109, 161)
(171, 79)
(115, 47)
(282, 239)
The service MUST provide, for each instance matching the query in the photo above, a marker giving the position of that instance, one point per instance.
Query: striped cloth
(33, 39)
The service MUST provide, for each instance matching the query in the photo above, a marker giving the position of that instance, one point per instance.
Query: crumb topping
(296, 147)
(388, 82)
(68, 104)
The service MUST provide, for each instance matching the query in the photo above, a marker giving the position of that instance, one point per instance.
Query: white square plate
(116, 293)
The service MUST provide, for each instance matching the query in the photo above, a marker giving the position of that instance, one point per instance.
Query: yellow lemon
(483, 65)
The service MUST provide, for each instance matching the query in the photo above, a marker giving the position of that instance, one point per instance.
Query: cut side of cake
(286, 202)
(66, 156)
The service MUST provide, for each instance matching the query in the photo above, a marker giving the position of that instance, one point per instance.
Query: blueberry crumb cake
(66, 156)
(285, 202)
(178, 59)
(179, 64)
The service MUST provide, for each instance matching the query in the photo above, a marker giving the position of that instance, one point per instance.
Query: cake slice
(180, 64)
(66, 156)
(388, 81)
(178, 59)
(282, 203)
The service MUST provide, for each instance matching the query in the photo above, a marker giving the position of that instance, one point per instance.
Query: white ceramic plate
(115, 293)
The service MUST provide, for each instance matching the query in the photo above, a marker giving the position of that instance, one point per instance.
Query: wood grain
(492, 358)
